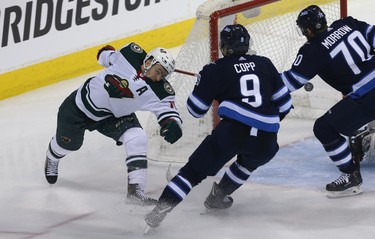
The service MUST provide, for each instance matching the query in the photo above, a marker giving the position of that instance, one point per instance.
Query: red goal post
(272, 27)
(246, 5)
(216, 15)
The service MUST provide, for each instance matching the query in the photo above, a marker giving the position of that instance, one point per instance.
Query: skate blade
(206, 211)
(347, 193)
(135, 202)
(147, 230)
(214, 211)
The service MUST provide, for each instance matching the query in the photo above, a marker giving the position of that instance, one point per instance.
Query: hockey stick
(168, 174)
(186, 72)
(308, 86)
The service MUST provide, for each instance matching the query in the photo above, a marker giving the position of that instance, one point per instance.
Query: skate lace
(52, 167)
(344, 178)
(139, 193)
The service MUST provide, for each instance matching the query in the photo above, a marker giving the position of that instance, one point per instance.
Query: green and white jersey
(119, 90)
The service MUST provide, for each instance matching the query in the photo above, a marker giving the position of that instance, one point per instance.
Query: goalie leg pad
(368, 145)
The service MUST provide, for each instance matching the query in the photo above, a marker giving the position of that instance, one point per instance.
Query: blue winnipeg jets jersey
(248, 89)
(343, 56)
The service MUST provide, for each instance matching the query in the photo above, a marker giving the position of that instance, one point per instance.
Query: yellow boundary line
(45, 73)
(32, 77)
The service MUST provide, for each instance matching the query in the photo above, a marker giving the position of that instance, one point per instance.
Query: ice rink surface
(283, 199)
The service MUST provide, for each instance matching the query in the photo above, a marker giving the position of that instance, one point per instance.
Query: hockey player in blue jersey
(342, 55)
(252, 100)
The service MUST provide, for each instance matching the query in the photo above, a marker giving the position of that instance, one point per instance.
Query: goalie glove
(105, 48)
(170, 130)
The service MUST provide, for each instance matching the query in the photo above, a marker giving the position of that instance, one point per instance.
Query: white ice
(284, 199)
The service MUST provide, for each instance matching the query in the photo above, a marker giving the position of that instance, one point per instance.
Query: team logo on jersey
(136, 48)
(168, 88)
(117, 87)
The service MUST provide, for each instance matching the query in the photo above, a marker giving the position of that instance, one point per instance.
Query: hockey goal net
(272, 27)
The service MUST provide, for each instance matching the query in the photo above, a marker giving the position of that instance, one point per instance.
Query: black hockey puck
(308, 86)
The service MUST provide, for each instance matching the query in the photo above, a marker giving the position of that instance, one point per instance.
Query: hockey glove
(170, 130)
(105, 48)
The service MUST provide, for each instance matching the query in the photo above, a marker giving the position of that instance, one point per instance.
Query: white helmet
(161, 56)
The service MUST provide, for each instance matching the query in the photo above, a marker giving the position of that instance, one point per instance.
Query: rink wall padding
(31, 77)
(82, 62)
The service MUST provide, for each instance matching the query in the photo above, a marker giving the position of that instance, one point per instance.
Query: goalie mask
(160, 56)
(312, 18)
(235, 39)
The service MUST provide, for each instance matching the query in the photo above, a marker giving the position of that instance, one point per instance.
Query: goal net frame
(212, 12)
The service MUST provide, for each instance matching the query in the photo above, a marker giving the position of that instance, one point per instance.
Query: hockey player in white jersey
(131, 81)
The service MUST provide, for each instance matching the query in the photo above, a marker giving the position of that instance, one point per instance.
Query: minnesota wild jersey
(120, 89)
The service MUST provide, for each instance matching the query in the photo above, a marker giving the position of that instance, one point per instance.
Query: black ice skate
(51, 170)
(217, 199)
(137, 196)
(345, 185)
(157, 215)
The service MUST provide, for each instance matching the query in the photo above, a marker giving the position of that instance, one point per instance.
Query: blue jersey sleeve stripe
(194, 110)
(198, 103)
(286, 107)
(286, 81)
(195, 113)
(300, 79)
(282, 92)
(292, 80)
(365, 85)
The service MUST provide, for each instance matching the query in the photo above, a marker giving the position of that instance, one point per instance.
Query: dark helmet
(312, 18)
(235, 38)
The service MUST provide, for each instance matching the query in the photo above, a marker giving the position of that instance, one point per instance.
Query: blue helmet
(235, 38)
(312, 18)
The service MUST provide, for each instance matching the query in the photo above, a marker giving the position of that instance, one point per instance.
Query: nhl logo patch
(136, 48)
(168, 88)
